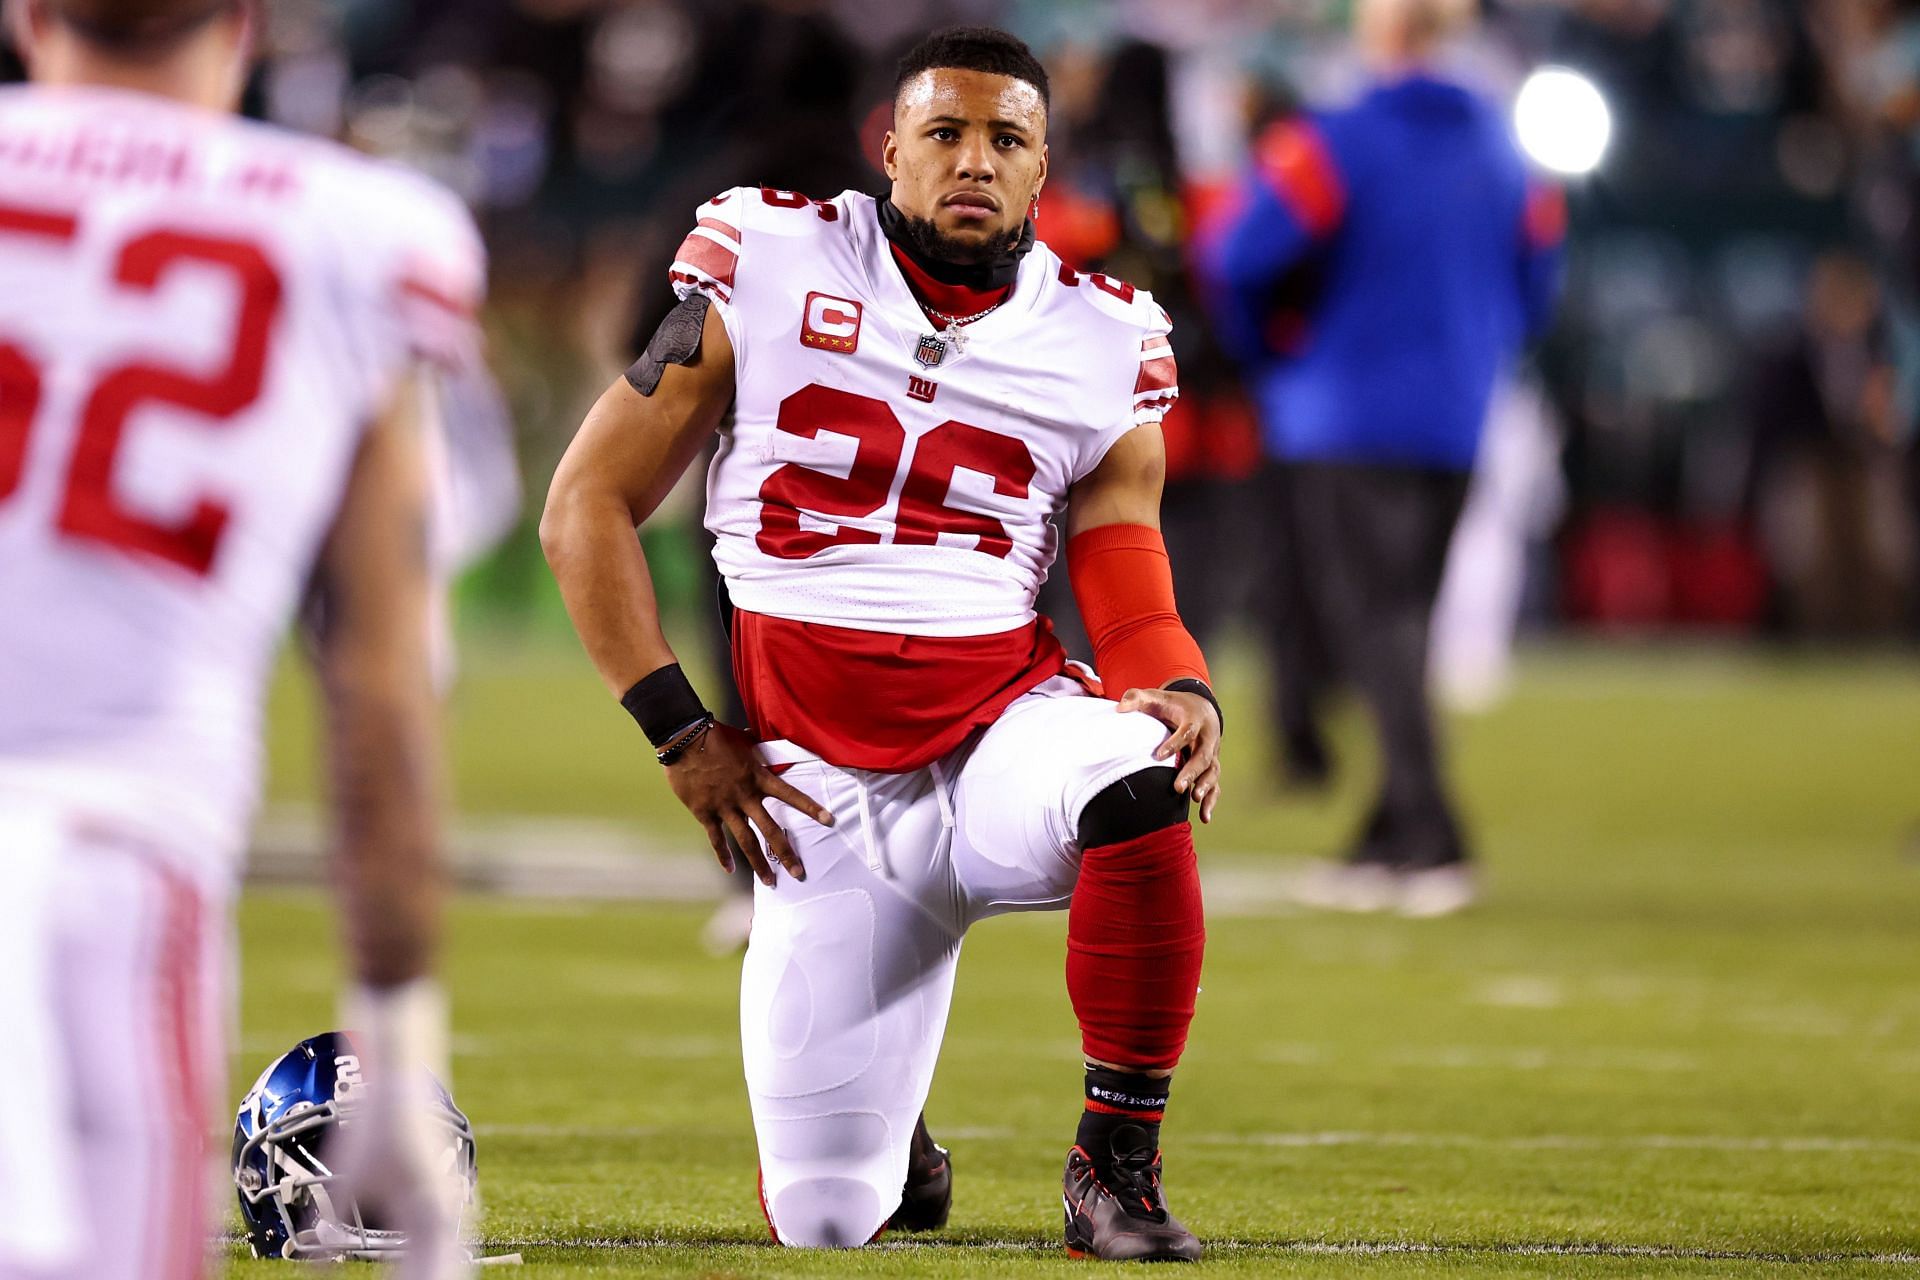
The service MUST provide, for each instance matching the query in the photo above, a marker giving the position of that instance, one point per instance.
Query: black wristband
(663, 703)
(1191, 685)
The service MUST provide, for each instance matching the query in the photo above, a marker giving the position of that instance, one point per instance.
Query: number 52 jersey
(198, 317)
(895, 480)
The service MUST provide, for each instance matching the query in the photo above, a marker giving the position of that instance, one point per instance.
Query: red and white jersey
(198, 317)
(875, 477)
(883, 502)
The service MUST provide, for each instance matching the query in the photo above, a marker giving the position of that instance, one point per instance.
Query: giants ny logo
(922, 388)
(830, 323)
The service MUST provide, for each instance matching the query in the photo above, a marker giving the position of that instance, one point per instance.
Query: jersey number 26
(924, 513)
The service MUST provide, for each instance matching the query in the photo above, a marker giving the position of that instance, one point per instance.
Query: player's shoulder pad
(1113, 298)
(409, 249)
(771, 211)
(734, 229)
(401, 220)
(383, 199)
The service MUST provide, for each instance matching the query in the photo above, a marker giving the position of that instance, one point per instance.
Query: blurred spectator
(1115, 201)
(1432, 258)
(1828, 479)
(1874, 50)
(1514, 503)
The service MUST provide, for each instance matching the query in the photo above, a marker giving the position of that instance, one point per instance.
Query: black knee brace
(1137, 805)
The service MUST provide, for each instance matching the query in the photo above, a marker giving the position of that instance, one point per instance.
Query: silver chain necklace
(952, 335)
(954, 322)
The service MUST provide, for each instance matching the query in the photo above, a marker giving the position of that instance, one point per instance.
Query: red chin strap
(1123, 583)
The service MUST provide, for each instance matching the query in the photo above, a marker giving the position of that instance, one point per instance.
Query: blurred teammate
(919, 388)
(1435, 259)
(211, 334)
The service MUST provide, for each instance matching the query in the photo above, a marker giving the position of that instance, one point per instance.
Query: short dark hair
(136, 26)
(987, 49)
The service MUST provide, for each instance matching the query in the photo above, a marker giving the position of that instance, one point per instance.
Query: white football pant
(848, 975)
(113, 990)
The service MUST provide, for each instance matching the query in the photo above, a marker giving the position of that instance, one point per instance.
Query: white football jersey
(198, 317)
(879, 475)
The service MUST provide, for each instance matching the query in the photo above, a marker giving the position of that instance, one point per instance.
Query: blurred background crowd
(1719, 434)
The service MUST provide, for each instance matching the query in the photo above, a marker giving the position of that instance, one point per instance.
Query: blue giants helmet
(288, 1124)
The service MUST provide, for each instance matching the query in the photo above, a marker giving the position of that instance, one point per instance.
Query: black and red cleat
(1119, 1212)
(927, 1198)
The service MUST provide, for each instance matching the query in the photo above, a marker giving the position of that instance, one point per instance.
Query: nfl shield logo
(931, 351)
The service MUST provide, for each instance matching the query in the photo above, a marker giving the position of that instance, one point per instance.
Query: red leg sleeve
(1135, 936)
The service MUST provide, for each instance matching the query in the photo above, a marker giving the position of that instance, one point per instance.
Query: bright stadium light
(1562, 121)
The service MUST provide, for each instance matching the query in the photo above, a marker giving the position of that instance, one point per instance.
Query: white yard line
(1216, 1246)
(556, 858)
(515, 856)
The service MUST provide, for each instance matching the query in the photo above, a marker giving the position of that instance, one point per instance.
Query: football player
(920, 388)
(213, 338)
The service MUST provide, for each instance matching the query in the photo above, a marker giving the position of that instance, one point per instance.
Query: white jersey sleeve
(416, 274)
(1155, 374)
(437, 277)
(423, 294)
(740, 242)
(1158, 385)
(416, 285)
(708, 260)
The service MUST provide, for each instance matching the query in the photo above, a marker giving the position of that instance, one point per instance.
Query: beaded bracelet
(683, 741)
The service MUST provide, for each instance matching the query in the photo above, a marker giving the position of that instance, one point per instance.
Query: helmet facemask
(290, 1195)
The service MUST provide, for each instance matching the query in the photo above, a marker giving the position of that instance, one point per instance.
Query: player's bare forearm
(623, 461)
(384, 765)
(621, 464)
(381, 712)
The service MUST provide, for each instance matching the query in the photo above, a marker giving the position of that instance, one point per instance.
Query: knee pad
(1139, 804)
(826, 1213)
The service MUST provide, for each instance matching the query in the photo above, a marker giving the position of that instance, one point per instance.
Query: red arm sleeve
(1123, 583)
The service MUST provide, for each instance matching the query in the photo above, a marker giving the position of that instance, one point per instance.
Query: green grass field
(1682, 1037)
